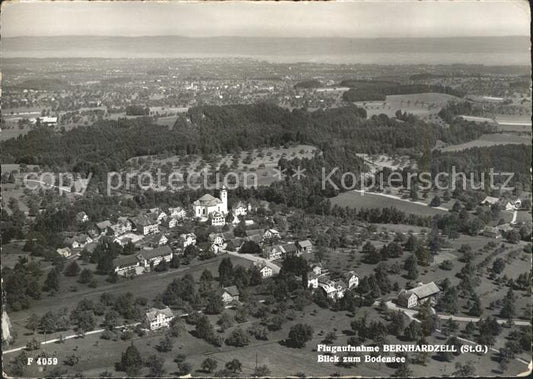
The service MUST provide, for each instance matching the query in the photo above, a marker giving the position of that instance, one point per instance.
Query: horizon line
(272, 37)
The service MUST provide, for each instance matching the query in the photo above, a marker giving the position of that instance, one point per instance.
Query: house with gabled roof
(145, 225)
(289, 248)
(271, 234)
(127, 265)
(264, 269)
(273, 252)
(333, 289)
(152, 257)
(102, 226)
(351, 279)
(159, 318)
(123, 225)
(230, 294)
(216, 238)
(304, 246)
(418, 295)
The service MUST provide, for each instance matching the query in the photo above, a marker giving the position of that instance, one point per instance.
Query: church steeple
(224, 198)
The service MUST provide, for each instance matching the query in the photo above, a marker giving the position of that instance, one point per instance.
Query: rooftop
(232, 290)
(425, 290)
(152, 313)
(207, 201)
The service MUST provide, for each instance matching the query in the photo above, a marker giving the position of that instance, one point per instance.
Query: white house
(265, 271)
(170, 222)
(82, 217)
(351, 279)
(159, 318)
(333, 289)
(188, 239)
(312, 280)
(79, 241)
(513, 205)
(490, 200)
(240, 209)
(128, 237)
(177, 213)
(230, 294)
(218, 243)
(271, 234)
(317, 268)
(208, 204)
(274, 252)
(65, 252)
(218, 219)
(47, 121)
(122, 226)
(329, 288)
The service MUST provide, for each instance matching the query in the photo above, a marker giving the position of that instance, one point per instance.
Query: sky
(369, 19)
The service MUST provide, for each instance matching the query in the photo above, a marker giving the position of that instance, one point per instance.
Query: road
(362, 192)
(476, 319)
(411, 312)
(53, 340)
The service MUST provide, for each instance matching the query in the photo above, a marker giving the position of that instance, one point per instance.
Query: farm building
(127, 265)
(304, 246)
(418, 295)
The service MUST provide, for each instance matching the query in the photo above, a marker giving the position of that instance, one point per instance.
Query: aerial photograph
(266, 189)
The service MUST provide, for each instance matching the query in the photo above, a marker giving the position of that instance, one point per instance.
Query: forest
(339, 132)
(500, 158)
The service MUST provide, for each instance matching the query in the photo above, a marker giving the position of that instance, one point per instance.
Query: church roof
(207, 201)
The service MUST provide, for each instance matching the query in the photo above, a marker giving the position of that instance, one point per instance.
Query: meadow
(370, 200)
(487, 140)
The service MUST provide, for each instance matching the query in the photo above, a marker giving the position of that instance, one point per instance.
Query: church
(208, 204)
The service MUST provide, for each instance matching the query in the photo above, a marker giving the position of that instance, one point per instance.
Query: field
(523, 216)
(371, 200)
(487, 140)
(423, 105)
